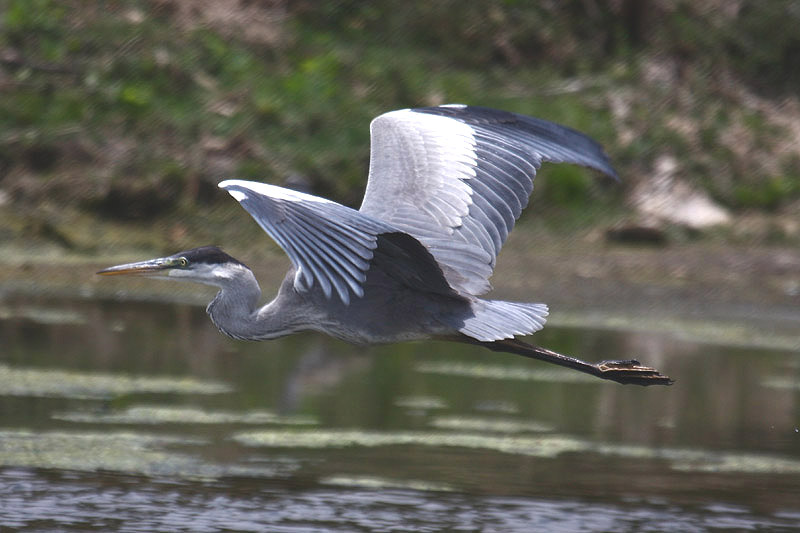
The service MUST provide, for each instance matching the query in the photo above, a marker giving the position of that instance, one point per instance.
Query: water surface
(142, 417)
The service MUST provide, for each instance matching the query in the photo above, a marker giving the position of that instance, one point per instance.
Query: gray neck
(235, 311)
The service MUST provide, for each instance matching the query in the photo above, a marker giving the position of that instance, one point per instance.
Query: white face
(208, 274)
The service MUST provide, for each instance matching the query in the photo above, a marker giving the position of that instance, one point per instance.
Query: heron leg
(627, 372)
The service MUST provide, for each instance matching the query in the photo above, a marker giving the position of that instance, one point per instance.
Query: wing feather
(460, 174)
(499, 185)
(349, 258)
(329, 244)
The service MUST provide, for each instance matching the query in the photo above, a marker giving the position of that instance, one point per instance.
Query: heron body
(446, 185)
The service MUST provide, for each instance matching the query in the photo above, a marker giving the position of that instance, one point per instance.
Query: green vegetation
(126, 110)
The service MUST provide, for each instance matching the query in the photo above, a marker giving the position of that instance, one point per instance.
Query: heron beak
(151, 266)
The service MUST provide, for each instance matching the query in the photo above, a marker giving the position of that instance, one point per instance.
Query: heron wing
(457, 178)
(328, 243)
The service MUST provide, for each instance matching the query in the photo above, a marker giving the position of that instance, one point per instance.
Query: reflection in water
(316, 370)
(142, 417)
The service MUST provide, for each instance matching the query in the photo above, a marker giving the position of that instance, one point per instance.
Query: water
(142, 417)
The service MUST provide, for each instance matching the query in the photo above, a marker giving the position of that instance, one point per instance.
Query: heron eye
(182, 261)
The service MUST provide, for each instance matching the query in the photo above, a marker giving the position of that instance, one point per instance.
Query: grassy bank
(119, 117)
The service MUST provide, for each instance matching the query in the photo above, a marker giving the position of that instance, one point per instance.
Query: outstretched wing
(328, 243)
(457, 178)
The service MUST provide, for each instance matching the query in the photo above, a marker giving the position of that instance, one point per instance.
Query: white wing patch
(437, 151)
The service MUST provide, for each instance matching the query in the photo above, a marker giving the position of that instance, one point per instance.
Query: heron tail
(495, 320)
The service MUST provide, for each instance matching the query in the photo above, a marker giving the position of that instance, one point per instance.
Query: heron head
(207, 264)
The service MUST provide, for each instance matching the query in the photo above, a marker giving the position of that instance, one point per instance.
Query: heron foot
(631, 371)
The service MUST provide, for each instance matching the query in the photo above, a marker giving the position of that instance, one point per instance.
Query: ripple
(550, 446)
(182, 415)
(43, 315)
(487, 371)
(781, 383)
(546, 446)
(126, 452)
(421, 402)
(491, 425)
(56, 383)
(385, 483)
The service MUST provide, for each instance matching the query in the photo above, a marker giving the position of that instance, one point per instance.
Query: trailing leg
(626, 372)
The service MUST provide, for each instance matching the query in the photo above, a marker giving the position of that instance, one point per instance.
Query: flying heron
(446, 185)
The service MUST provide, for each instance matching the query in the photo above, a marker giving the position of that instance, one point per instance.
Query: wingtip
(227, 185)
(612, 173)
(224, 184)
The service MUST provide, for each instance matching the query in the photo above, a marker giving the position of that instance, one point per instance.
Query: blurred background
(116, 115)
(121, 407)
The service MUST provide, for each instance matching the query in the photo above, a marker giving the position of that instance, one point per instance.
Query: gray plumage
(446, 185)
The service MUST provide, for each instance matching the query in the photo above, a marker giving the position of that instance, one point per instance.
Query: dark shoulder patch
(405, 259)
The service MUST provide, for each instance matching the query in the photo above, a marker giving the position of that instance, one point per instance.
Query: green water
(142, 417)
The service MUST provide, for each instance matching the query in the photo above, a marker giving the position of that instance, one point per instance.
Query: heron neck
(235, 311)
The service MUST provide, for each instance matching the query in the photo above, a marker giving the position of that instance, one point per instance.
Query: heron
(446, 185)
